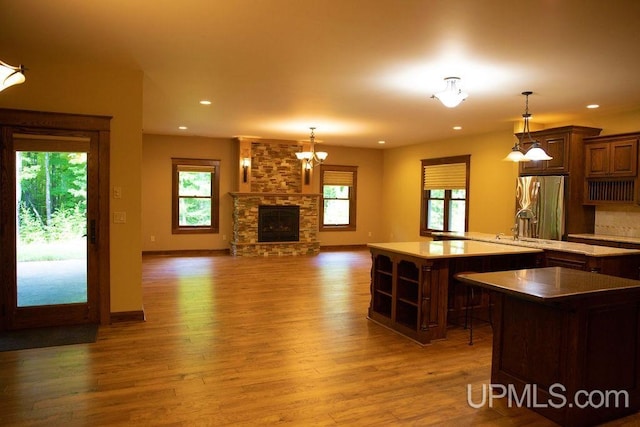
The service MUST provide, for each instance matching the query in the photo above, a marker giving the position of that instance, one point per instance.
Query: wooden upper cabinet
(563, 144)
(557, 146)
(611, 156)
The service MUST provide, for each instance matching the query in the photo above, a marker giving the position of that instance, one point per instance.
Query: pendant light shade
(312, 157)
(537, 153)
(516, 155)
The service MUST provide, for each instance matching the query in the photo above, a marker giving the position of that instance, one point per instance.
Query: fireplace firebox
(278, 223)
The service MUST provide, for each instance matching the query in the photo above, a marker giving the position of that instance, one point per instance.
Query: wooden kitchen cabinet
(611, 157)
(557, 146)
(627, 266)
(564, 144)
(611, 169)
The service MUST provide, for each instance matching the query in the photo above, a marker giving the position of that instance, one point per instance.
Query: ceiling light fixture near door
(452, 95)
(10, 75)
(535, 152)
(312, 157)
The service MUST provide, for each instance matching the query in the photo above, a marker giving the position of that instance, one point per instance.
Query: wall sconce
(307, 173)
(246, 162)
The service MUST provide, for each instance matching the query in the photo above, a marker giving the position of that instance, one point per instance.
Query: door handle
(92, 231)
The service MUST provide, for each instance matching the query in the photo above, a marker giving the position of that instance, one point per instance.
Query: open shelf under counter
(410, 281)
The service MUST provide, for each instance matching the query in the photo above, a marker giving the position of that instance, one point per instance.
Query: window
(338, 184)
(445, 194)
(196, 196)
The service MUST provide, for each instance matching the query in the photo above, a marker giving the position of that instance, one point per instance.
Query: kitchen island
(410, 281)
(566, 342)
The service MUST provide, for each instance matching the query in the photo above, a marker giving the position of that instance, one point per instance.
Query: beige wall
(369, 195)
(492, 181)
(491, 188)
(156, 190)
(99, 90)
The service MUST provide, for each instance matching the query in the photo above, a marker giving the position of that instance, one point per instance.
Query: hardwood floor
(255, 341)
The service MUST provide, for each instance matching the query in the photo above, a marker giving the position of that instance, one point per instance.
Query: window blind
(196, 168)
(450, 176)
(338, 178)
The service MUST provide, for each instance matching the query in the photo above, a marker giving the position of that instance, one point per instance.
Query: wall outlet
(117, 192)
(152, 238)
(224, 237)
(369, 234)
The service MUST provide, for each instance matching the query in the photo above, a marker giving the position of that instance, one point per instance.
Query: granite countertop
(608, 238)
(552, 245)
(550, 283)
(452, 248)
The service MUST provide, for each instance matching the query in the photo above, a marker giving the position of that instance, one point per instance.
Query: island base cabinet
(575, 363)
(409, 296)
(627, 266)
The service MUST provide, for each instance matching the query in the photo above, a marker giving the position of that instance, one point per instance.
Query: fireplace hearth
(278, 223)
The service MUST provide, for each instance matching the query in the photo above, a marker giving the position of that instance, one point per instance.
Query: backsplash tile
(623, 221)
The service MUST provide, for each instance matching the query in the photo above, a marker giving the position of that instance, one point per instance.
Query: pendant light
(312, 157)
(535, 151)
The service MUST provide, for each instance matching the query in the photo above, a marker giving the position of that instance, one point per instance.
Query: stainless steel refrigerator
(540, 207)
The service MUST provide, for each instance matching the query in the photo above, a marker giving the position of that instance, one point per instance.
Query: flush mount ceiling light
(10, 75)
(535, 152)
(312, 157)
(452, 95)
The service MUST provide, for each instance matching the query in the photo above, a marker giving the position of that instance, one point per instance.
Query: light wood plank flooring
(255, 341)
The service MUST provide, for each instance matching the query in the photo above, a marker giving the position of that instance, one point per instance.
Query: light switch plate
(119, 217)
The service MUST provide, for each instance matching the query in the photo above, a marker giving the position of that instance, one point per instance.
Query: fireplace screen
(278, 223)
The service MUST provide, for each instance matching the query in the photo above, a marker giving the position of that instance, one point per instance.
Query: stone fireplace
(273, 192)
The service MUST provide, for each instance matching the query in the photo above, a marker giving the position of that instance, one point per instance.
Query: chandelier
(452, 95)
(312, 157)
(10, 75)
(535, 151)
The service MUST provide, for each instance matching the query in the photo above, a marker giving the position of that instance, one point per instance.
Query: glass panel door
(51, 227)
(53, 240)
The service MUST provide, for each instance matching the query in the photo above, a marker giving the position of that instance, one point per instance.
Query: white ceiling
(359, 70)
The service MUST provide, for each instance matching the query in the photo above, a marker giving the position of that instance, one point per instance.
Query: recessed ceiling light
(592, 106)
(182, 127)
(381, 142)
(205, 102)
(457, 127)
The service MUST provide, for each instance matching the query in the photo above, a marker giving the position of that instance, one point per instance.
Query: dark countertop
(549, 284)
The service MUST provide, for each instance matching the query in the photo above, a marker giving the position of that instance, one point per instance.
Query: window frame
(352, 198)
(426, 194)
(180, 164)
